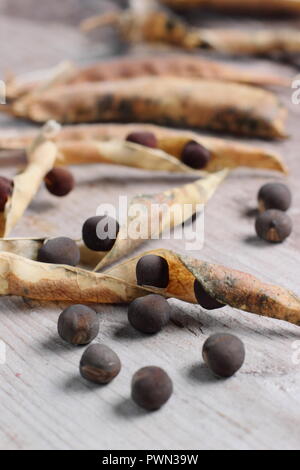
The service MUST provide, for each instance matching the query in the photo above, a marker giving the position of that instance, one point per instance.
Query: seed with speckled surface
(78, 324)
(99, 364)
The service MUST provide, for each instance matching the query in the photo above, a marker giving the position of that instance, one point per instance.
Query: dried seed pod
(152, 270)
(60, 250)
(96, 143)
(177, 65)
(99, 233)
(149, 314)
(274, 196)
(49, 282)
(59, 181)
(99, 364)
(6, 189)
(203, 104)
(195, 155)
(147, 139)
(204, 299)
(151, 388)
(273, 226)
(78, 324)
(224, 354)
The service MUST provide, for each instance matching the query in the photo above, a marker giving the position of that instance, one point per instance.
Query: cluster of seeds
(273, 224)
(151, 386)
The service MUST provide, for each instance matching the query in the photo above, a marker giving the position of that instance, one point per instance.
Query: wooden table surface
(44, 404)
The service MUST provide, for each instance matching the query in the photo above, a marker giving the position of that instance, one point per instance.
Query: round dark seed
(6, 189)
(273, 226)
(99, 233)
(224, 354)
(151, 388)
(99, 364)
(204, 299)
(59, 181)
(60, 250)
(152, 270)
(274, 196)
(78, 324)
(143, 138)
(149, 314)
(195, 155)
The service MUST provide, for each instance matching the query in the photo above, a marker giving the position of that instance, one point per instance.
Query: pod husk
(46, 282)
(177, 65)
(258, 6)
(41, 157)
(178, 102)
(192, 194)
(78, 144)
(160, 26)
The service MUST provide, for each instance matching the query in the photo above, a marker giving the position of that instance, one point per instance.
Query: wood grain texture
(44, 404)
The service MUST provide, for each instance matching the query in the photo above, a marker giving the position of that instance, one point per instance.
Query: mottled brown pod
(96, 143)
(180, 102)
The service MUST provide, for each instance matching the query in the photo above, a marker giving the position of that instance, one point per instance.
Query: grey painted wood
(44, 404)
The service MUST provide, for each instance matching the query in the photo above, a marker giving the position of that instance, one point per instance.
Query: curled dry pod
(23, 277)
(96, 143)
(168, 215)
(41, 158)
(203, 104)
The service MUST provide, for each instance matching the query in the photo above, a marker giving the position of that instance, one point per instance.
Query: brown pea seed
(151, 388)
(224, 354)
(78, 325)
(99, 364)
